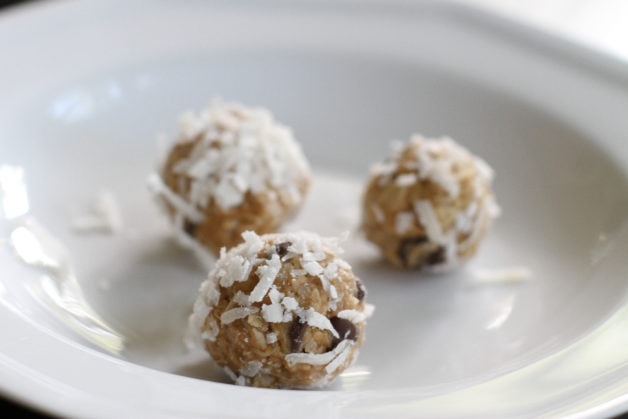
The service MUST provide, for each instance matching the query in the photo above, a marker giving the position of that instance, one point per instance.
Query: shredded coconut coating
(429, 205)
(232, 169)
(281, 325)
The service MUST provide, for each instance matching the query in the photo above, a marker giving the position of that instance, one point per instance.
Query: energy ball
(282, 311)
(232, 169)
(429, 205)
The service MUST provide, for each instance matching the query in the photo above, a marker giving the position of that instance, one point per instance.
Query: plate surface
(92, 85)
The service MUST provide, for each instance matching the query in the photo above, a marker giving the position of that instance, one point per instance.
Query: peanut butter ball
(429, 205)
(282, 311)
(232, 169)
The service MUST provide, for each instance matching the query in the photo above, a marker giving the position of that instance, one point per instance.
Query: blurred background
(600, 24)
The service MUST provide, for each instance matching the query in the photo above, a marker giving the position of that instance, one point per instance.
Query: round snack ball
(282, 310)
(429, 205)
(232, 169)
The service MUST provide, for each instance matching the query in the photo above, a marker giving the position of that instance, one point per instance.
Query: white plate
(87, 86)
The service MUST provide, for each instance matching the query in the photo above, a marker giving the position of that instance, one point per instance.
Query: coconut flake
(331, 270)
(237, 313)
(298, 272)
(435, 160)
(341, 358)
(493, 208)
(484, 170)
(507, 275)
(241, 299)
(353, 316)
(189, 124)
(104, 215)
(482, 219)
(333, 292)
(237, 269)
(192, 336)
(383, 169)
(267, 274)
(211, 330)
(313, 268)
(271, 337)
(316, 319)
(159, 188)
(275, 295)
(239, 380)
(210, 295)
(307, 358)
(253, 242)
(429, 220)
(451, 249)
(208, 298)
(290, 303)
(465, 219)
(226, 194)
(230, 373)
(317, 359)
(273, 313)
(403, 222)
(238, 151)
(406, 179)
(342, 264)
(313, 256)
(251, 368)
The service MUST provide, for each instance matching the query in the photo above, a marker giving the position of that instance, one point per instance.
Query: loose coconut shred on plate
(281, 310)
(104, 216)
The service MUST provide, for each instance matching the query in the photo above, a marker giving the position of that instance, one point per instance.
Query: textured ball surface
(232, 169)
(429, 205)
(282, 310)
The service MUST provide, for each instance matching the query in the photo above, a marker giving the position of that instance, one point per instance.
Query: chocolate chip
(282, 248)
(436, 257)
(345, 328)
(189, 227)
(360, 292)
(296, 332)
(407, 249)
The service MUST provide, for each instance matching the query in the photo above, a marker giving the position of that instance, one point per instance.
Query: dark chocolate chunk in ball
(360, 289)
(345, 328)
(410, 249)
(282, 248)
(297, 330)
